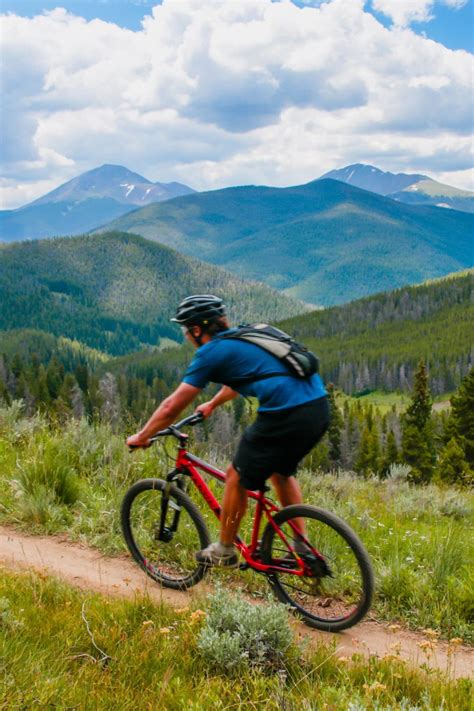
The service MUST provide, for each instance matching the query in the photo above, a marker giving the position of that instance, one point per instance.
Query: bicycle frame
(187, 463)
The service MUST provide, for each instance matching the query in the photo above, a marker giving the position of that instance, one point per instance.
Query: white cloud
(215, 93)
(404, 12)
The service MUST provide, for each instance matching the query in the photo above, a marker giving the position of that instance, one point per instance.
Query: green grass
(66, 649)
(72, 478)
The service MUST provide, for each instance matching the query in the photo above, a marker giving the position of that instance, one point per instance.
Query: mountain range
(409, 188)
(325, 242)
(85, 202)
(116, 292)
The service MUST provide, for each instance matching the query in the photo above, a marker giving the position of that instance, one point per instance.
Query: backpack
(300, 362)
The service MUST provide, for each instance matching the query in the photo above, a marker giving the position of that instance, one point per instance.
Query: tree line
(361, 438)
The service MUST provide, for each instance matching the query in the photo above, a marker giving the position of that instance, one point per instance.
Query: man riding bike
(292, 417)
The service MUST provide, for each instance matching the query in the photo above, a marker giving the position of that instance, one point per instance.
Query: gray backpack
(300, 362)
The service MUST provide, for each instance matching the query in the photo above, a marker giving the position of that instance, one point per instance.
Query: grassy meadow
(67, 649)
(71, 478)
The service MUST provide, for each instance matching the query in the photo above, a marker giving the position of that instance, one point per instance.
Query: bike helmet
(199, 309)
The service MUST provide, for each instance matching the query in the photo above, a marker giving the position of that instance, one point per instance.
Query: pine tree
(417, 432)
(391, 452)
(335, 427)
(452, 467)
(43, 398)
(461, 423)
(418, 413)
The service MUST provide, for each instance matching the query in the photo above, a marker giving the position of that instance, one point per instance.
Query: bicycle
(312, 559)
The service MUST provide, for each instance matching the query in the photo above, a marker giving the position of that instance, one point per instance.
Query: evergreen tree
(391, 455)
(452, 467)
(417, 432)
(461, 424)
(4, 394)
(368, 455)
(335, 427)
(42, 392)
(54, 377)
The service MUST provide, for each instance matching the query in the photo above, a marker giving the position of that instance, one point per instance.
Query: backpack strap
(256, 378)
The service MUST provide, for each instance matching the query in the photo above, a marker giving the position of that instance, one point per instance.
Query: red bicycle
(312, 559)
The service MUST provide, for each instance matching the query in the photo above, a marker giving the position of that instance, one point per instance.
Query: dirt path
(90, 570)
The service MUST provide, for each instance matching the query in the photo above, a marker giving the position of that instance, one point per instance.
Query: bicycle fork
(166, 533)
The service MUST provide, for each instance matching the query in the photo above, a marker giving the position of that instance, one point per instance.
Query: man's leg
(287, 489)
(289, 492)
(234, 505)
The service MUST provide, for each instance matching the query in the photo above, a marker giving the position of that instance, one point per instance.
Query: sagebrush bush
(238, 635)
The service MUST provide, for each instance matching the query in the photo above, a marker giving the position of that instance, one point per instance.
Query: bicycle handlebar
(174, 430)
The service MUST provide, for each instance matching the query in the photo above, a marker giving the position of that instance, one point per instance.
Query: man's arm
(165, 414)
(224, 395)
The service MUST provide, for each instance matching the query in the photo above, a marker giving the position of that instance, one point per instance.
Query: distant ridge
(116, 182)
(84, 203)
(414, 189)
(324, 242)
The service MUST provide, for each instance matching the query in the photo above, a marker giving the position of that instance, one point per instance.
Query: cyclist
(292, 417)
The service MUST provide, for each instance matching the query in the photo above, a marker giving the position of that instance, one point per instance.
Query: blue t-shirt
(226, 360)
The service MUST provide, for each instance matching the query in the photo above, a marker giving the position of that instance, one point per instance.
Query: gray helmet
(199, 309)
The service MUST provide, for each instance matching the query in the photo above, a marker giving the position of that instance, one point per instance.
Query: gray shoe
(217, 554)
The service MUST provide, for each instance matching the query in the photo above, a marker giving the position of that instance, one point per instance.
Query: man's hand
(138, 440)
(206, 409)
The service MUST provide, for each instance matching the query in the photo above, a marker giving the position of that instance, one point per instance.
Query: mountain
(117, 183)
(85, 202)
(324, 242)
(430, 192)
(409, 188)
(116, 292)
(368, 177)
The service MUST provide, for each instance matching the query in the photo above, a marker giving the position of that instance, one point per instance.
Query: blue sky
(452, 27)
(214, 93)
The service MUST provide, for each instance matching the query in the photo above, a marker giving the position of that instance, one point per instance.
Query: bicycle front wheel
(164, 544)
(337, 588)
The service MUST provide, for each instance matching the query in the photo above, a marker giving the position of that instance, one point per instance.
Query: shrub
(238, 634)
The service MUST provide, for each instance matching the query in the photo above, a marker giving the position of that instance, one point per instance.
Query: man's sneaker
(217, 554)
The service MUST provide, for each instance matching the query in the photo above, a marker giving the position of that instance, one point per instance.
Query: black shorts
(277, 442)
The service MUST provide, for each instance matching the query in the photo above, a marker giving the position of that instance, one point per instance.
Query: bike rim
(173, 560)
(326, 598)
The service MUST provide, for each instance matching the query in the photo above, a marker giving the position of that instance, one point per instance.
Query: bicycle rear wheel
(336, 590)
(166, 555)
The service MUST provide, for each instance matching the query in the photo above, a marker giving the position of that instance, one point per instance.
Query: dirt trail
(88, 569)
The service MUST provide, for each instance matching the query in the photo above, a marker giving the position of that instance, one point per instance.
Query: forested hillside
(325, 242)
(377, 342)
(116, 292)
(373, 343)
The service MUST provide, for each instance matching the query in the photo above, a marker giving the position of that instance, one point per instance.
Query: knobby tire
(171, 564)
(326, 603)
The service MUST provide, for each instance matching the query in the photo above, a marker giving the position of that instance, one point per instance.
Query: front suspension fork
(166, 533)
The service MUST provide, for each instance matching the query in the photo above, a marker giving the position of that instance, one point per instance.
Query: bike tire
(172, 563)
(326, 603)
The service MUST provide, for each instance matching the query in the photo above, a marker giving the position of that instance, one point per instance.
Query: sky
(214, 93)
